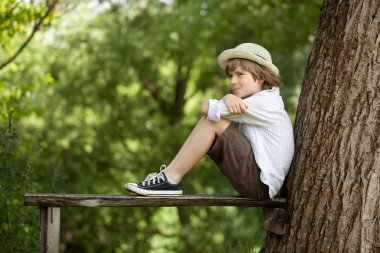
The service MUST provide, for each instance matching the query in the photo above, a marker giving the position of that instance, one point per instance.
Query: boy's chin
(241, 95)
(238, 94)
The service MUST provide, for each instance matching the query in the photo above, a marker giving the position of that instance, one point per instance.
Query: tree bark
(334, 181)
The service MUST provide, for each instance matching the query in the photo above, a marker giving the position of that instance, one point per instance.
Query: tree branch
(152, 88)
(182, 78)
(26, 42)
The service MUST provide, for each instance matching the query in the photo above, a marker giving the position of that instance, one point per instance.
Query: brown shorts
(234, 156)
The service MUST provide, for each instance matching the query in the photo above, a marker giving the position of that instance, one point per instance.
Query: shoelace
(152, 177)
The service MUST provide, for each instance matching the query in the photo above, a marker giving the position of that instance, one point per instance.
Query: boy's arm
(217, 109)
(234, 104)
(204, 108)
(214, 109)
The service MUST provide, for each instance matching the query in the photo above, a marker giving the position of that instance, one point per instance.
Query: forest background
(104, 92)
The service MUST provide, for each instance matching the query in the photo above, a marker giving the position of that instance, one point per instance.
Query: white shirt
(268, 128)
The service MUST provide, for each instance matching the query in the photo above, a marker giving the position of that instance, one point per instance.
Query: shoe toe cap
(129, 185)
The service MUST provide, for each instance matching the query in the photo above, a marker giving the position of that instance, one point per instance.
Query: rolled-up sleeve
(213, 113)
(216, 109)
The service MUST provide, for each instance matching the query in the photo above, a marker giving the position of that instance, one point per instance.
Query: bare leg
(196, 146)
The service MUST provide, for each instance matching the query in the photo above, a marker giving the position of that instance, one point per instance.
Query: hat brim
(233, 53)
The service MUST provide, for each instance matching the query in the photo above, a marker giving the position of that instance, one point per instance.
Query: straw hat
(249, 51)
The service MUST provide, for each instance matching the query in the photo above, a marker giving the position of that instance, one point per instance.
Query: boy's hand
(234, 104)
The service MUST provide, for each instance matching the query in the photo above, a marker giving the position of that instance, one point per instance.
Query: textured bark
(334, 181)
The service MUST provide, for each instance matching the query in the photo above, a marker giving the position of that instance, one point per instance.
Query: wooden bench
(50, 207)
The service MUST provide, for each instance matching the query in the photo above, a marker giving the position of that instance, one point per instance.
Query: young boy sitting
(248, 134)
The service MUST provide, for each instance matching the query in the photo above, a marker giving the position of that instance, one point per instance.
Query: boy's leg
(167, 182)
(196, 146)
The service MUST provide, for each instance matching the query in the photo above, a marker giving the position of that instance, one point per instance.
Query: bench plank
(111, 200)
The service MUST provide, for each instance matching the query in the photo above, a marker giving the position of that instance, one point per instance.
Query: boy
(248, 134)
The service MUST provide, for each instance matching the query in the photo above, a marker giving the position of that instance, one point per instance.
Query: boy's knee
(224, 123)
(221, 125)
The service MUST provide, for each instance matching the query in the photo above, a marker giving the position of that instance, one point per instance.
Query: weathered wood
(43, 228)
(49, 230)
(97, 200)
(50, 207)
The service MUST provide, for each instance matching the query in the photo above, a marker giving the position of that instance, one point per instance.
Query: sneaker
(155, 184)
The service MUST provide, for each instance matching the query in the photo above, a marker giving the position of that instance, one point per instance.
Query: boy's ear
(261, 81)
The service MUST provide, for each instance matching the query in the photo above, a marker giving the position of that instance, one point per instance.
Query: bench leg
(49, 231)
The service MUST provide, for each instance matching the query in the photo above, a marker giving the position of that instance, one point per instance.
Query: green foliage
(16, 19)
(110, 93)
(16, 222)
(19, 21)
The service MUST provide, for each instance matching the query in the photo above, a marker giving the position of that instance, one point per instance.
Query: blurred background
(97, 93)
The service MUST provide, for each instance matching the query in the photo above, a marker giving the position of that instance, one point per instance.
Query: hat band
(259, 56)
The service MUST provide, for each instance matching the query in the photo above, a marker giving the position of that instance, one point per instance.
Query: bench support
(49, 230)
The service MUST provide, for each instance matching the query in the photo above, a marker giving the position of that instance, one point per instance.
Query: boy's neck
(251, 94)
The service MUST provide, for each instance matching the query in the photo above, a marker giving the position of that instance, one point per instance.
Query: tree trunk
(334, 181)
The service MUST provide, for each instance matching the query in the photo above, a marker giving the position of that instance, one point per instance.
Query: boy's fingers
(237, 109)
(244, 107)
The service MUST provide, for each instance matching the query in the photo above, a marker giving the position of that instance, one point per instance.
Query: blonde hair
(257, 71)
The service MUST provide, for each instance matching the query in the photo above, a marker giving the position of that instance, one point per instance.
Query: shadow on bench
(50, 207)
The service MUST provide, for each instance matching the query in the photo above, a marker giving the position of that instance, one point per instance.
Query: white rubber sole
(132, 187)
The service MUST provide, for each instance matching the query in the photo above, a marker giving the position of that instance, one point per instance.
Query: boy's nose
(233, 80)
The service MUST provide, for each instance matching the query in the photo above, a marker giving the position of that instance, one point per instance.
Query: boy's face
(243, 84)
